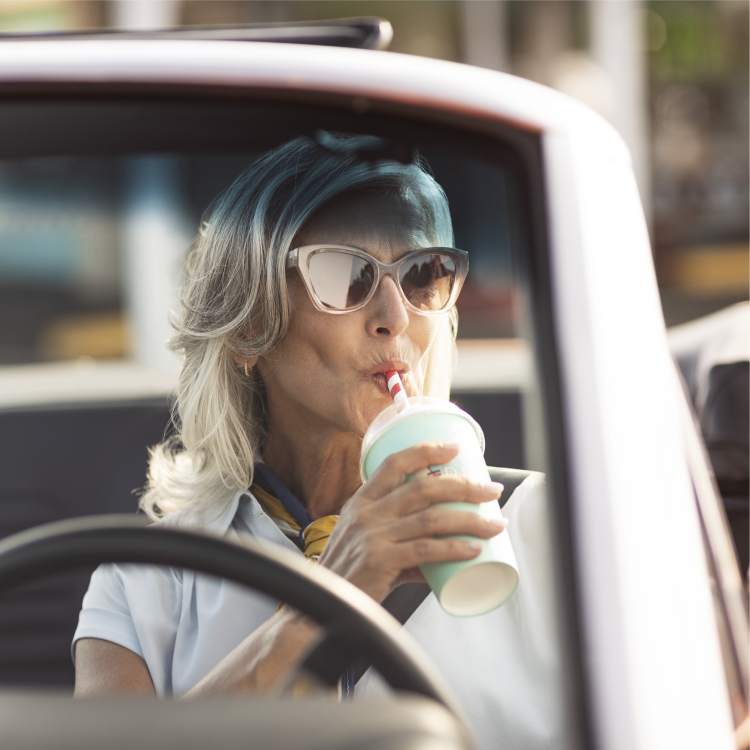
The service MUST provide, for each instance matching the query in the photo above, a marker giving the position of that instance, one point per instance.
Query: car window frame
(493, 140)
(728, 592)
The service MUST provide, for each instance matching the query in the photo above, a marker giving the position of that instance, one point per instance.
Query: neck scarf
(282, 506)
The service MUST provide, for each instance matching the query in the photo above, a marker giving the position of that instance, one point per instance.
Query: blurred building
(698, 110)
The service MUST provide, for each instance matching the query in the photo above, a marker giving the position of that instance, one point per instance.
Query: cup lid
(417, 405)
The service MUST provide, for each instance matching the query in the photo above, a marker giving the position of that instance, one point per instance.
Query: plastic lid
(416, 405)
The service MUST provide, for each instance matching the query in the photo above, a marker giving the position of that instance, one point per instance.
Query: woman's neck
(319, 466)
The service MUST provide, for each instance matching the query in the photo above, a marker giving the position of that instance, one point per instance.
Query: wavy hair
(234, 299)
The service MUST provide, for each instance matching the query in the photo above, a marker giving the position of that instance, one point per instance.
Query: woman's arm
(104, 668)
(385, 532)
(258, 664)
(263, 660)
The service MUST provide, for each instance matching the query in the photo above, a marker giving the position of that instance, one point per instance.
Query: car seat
(713, 355)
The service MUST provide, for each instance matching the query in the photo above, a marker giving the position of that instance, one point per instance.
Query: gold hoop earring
(247, 374)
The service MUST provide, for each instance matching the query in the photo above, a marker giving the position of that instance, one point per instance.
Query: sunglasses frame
(299, 258)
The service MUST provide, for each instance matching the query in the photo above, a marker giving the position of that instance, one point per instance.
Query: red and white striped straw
(396, 388)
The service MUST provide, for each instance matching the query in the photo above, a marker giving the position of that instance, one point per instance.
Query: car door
(562, 354)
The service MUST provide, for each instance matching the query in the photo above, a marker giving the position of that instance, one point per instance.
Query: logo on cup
(436, 471)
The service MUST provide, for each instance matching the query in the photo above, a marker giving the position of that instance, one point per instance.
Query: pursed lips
(377, 374)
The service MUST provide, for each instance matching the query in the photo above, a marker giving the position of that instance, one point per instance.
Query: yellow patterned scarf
(315, 535)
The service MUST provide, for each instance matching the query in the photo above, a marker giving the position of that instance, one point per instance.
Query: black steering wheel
(353, 625)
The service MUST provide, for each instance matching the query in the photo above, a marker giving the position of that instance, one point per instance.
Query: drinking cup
(467, 587)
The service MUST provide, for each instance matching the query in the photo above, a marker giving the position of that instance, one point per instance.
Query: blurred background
(91, 247)
(672, 76)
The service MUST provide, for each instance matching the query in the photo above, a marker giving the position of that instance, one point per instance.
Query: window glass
(94, 234)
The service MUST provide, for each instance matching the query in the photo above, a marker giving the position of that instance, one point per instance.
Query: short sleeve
(105, 613)
(181, 623)
(138, 607)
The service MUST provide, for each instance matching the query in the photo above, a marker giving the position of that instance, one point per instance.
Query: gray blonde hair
(234, 299)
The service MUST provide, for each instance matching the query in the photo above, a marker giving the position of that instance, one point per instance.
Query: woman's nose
(387, 313)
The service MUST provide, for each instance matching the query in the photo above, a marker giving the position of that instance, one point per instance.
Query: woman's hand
(388, 528)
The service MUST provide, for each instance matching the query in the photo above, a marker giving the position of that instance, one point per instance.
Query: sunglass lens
(340, 280)
(427, 280)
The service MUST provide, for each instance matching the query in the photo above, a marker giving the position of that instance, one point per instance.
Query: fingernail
(497, 523)
(493, 489)
(475, 544)
(449, 446)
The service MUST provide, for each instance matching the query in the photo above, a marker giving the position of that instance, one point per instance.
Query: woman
(283, 372)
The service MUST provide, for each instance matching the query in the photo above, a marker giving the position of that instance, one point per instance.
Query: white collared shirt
(503, 667)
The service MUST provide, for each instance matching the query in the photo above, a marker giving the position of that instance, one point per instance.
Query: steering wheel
(354, 626)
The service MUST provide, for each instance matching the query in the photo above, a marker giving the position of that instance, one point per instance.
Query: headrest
(714, 356)
(718, 339)
(726, 424)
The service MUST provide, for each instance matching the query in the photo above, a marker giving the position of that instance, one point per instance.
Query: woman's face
(327, 372)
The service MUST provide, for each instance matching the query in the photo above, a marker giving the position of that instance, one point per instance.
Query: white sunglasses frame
(299, 258)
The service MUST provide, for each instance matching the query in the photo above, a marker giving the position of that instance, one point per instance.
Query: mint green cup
(469, 587)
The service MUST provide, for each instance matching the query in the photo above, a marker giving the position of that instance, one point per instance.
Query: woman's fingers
(394, 470)
(420, 551)
(423, 492)
(391, 526)
(437, 521)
